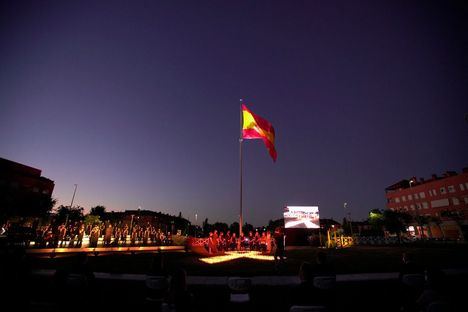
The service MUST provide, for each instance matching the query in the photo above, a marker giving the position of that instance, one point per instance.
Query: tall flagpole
(240, 167)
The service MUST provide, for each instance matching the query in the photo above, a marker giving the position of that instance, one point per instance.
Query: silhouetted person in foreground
(409, 266)
(15, 276)
(279, 247)
(323, 267)
(411, 277)
(434, 289)
(306, 293)
(157, 267)
(76, 278)
(179, 294)
(303, 293)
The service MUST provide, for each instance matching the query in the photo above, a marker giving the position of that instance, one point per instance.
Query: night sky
(137, 102)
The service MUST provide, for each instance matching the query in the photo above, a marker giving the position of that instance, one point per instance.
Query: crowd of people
(264, 242)
(219, 242)
(74, 234)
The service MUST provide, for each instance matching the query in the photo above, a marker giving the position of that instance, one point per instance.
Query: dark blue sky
(138, 101)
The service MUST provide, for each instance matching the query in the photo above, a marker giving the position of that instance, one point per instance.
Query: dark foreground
(115, 291)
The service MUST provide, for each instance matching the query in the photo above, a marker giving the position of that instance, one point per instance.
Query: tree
(376, 221)
(273, 224)
(234, 228)
(70, 214)
(247, 228)
(207, 227)
(395, 222)
(221, 227)
(347, 226)
(48, 203)
(98, 211)
(91, 220)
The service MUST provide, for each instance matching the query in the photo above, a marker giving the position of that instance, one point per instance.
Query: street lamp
(71, 205)
(345, 205)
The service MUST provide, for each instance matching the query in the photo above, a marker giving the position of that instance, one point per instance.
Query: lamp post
(71, 204)
(350, 225)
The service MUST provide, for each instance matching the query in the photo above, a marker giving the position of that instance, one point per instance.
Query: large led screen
(301, 217)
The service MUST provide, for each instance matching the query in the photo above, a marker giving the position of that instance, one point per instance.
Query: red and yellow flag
(255, 127)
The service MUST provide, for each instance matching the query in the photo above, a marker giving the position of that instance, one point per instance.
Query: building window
(440, 203)
(403, 198)
(410, 197)
(397, 199)
(412, 207)
(422, 195)
(416, 196)
(434, 193)
(45, 192)
(455, 201)
(405, 208)
(419, 206)
(466, 200)
(451, 189)
(425, 205)
(462, 187)
(466, 185)
(442, 190)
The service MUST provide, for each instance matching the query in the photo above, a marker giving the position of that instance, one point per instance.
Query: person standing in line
(279, 243)
(80, 235)
(62, 233)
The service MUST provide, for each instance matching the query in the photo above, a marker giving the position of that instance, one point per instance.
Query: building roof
(9, 166)
(405, 183)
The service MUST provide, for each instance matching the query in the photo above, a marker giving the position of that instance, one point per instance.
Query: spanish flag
(255, 127)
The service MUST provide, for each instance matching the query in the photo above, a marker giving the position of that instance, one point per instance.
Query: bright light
(303, 217)
(232, 255)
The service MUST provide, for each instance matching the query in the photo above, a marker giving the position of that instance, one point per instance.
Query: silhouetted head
(435, 277)
(278, 230)
(179, 279)
(305, 272)
(407, 257)
(321, 257)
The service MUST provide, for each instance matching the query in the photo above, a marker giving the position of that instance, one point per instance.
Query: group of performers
(107, 234)
(229, 242)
